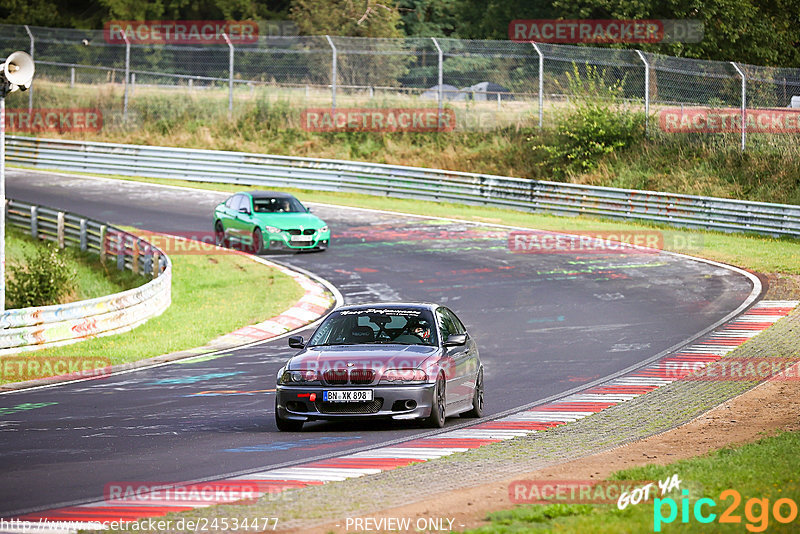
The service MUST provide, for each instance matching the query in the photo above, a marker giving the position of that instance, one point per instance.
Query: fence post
(439, 84)
(230, 74)
(30, 89)
(103, 244)
(127, 73)
(646, 90)
(744, 103)
(84, 237)
(71, 77)
(121, 251)
(35, 222)
(60, 230)
(133, 83)
(333, 73)
(541, 82)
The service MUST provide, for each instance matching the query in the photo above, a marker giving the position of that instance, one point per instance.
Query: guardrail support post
(35, 222)
(441, 77)
(135, 257)
(744, 103)
(121, 252)
(127, 73)
(156, 264)
(84, 237)
(103, 244)
(333, 73)
(30, 89)
(646, 90)
(60, 230)
(541, 82)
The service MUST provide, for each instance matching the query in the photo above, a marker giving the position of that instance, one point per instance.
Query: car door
(455, 359)
(472, 361)
(225, 214)
(238, 223)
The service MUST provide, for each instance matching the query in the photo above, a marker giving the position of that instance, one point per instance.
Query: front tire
(438, 406)
(219, 235)
(477, 398)
(286, 425)
(258, 242)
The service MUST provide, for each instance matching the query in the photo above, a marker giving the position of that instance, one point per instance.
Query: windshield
(278, 205)
(376, 325)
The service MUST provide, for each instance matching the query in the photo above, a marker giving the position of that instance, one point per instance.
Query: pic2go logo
(756, 511)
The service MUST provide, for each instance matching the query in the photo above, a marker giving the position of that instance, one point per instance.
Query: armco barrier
(47, 326)
(410, 182)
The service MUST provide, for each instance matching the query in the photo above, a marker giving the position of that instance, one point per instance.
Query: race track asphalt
(545, 324)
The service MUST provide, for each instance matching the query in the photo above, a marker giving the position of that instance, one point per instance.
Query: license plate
(302, 238)
(351, 395)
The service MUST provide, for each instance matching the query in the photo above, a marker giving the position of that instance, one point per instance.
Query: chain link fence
(488, 83)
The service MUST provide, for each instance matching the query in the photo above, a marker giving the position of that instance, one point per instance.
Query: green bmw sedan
(265, 220)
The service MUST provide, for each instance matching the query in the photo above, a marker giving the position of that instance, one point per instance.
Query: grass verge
(212, 294)
(762, 473)
(92, 277)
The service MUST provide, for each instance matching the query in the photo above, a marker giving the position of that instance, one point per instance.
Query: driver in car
(422, 330)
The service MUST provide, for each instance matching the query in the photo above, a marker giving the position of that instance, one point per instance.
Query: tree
(354, 18)
(429, 18)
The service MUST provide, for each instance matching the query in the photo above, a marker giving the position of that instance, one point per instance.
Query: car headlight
(298, 377)
(404, 376)
(273, 229)
(323, 230)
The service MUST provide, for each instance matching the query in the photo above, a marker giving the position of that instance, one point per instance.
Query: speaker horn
(18, 71)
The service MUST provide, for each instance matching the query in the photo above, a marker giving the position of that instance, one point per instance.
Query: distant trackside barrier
(47, 326)
(407, 182)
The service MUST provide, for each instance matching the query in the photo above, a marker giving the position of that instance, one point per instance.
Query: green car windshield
(277, 205)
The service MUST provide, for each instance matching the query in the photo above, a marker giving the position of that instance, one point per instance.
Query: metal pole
(2, 199)
(230, 74)
(439, 91)
(127, 73)
(30, 89)
(541, 82)
(744, 104)
(646, 90)
(333, 73)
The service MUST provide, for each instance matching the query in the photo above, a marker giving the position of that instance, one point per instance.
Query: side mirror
(244, 210)
(296, 342)
(308, 210)
(456, 340)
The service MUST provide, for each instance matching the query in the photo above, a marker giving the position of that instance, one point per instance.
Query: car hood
(286, 221)
(388, 356)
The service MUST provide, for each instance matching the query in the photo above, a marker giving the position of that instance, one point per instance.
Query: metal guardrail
(47, 326)
(407, 182)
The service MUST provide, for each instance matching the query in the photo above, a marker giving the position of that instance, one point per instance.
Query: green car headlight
(272, 229)
(323, 230)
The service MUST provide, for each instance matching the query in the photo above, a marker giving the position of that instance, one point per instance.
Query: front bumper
(283, 241)
(390, 402)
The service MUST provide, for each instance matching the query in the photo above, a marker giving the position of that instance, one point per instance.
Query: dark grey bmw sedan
(387, 360)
